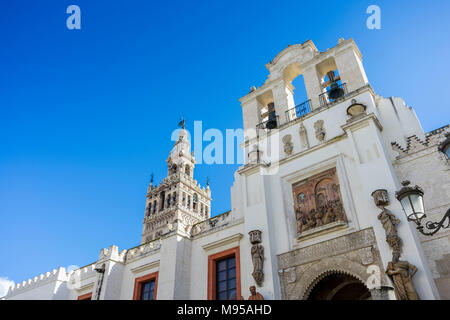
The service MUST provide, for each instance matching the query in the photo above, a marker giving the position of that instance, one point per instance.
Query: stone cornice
(145, 267)
(350, 242)
(362, 122)
(223, 242)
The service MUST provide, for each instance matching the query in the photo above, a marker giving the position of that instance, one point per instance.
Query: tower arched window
(194, 201)
(174, 198)
(187, 170)
(269, 117)
(163, 195)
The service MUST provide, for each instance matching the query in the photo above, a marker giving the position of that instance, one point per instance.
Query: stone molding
(143, 250)
(336, 246)
(223, 242)
(145, 267)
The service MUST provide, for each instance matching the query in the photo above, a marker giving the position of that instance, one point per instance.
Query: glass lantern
(411, 199)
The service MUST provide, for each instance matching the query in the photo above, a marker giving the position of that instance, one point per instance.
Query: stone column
(313, 86)
(251, 113)
(283, 99)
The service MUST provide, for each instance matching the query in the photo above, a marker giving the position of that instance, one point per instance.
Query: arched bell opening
(298, 101)
(332, 86)
(339, 286)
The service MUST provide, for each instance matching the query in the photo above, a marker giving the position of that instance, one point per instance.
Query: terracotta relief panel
(318, 201)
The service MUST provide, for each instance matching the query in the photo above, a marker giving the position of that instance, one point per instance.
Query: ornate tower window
(194, 201)
(168, 201)
(163, 195)
(187, 170)
(174, 198)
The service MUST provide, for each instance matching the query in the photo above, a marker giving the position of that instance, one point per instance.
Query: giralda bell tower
(179, 201)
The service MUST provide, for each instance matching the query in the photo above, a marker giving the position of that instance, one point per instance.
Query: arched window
(187, 170)
(173, 169)
(163, 195)
(174, 198)
(194, 201)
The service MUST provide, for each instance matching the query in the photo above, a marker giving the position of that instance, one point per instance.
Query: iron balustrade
(298, 111)
(325, 98)
(263, 125)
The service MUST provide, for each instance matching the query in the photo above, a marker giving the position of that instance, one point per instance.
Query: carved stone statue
(257, 253)
(299, 217)
(319, 130)
(339, 214)
(318, 217)
(303, 137)
(401, 273)
(287, 144)
(330, 214)
(389, 222)
(255, 295)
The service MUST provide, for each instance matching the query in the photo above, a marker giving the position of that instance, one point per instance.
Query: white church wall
(424, 165)
(212, 243)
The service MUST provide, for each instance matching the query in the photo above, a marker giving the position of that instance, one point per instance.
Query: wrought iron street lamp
(411, 199)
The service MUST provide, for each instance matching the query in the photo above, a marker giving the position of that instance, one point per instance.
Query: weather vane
(151, 178)
(207, 181)
(182, 123)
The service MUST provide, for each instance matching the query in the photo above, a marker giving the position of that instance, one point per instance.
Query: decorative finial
(151, 178)
(405, 183)
(182, 123)
(207, 181)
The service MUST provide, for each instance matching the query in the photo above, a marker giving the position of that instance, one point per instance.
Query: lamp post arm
(436, 226)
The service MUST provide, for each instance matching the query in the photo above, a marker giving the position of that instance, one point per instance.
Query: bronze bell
(335, 91)
(272, 122)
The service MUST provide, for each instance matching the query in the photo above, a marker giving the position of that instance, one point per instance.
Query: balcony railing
(271, 123)
(325, 98)
(298, 111)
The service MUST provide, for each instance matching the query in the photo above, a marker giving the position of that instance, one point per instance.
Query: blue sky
(86, 115)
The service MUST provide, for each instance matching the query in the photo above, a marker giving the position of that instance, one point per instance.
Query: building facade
(313, 209)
